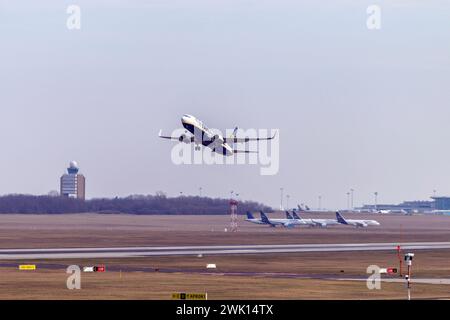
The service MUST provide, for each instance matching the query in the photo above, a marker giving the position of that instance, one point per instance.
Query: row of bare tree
(135, 204)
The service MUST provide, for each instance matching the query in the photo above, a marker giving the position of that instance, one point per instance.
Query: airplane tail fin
(296, 215)
(264, 218)
(232, 138)
(300, 209)
(340, 218)
(307, 208)
(288, 215)
(233, 135)
(249, 215)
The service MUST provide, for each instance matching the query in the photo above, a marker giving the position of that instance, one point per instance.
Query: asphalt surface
(127, 252)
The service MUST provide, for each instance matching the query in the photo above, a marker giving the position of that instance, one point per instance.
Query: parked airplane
(202, 135)
(305, 208)
(356, 223)
(301, 209)
(287, 223)
(252, 219)
(402, 211)
(316, 222)
(292, 221)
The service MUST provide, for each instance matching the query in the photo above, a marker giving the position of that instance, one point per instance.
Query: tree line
(134, 204)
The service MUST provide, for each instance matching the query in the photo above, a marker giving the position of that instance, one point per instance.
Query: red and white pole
(400, 261)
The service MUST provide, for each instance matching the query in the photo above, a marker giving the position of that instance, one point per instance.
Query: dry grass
(263, 277)
(137, 285)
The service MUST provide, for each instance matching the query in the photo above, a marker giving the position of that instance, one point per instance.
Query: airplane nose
(186, 118)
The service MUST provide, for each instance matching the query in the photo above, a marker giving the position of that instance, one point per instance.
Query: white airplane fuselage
(286, 222)
(204, 136)
(256, 221)
(319, 222)
(362, 223)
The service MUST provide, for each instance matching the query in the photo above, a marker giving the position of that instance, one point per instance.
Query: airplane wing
(361, 224)
(244, 151)
(182, 138)
(322, 224)
(247, 139)
(288, 225)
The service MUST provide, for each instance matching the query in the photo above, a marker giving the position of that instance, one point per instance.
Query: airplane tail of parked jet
(340, 218)
(295, 215)
(265, 219)
(249, 215)
(303, 207)
(288, 215)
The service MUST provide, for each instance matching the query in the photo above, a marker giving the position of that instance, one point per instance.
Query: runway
(127, 252)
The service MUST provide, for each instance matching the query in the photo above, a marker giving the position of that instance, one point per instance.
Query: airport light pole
(320, 202)
(434, 198)
(281, 198)
(376, 200)
(351, 201)
(287, 201)
(348, 200)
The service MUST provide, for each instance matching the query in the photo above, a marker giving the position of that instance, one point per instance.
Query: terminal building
(441, 203)
(409, 206)
(73, 184)
(438, 203)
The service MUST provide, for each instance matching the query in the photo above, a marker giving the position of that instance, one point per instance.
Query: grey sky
(358, 109)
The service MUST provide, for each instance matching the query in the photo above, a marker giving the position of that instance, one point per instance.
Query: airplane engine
(216, 140)
(184, 138)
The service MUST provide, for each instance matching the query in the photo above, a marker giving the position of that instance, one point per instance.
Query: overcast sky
(356, 108)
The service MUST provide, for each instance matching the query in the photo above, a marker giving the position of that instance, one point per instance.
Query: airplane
(323, 223)
(301, 209)
(403, 211)
(356, 223)
(252, 219)
(202, 135)
(287, 223)
(305, 208)
(292, 221)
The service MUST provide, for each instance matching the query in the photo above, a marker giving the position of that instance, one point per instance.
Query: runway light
(94, 269)
(100, 269)
(391, 270)
(388, 270)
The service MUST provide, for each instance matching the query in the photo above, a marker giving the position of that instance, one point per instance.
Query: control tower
(73, 184)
